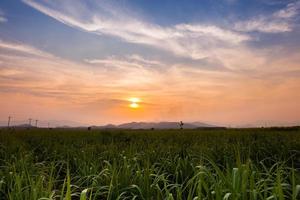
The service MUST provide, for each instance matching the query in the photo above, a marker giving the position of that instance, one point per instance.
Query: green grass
(150, 164)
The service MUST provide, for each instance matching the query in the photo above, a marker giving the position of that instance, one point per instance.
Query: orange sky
(46, 87)
(82, 62)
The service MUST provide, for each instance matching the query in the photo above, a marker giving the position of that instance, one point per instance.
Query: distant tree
(181, 124)
(89, 128)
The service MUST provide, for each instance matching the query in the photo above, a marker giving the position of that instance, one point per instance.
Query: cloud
(262, 24)
(210, 47)
(197, 31)
(291, 10)
(25, 69)
(23, 49)
(188, 40)
(278, 22)
(3, 19)
(130, 62)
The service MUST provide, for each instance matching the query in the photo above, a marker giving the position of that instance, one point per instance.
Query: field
(150, 164)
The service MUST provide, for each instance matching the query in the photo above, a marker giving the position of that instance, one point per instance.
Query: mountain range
(156, 125)
(131, 125)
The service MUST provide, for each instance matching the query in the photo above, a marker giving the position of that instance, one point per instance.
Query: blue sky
(191, 51)
(51, 35)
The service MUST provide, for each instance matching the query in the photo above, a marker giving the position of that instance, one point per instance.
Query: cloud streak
(3, 19)
(278, 22)
(218, 45)
(188, 40)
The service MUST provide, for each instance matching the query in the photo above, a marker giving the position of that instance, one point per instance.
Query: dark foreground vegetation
(150, 164)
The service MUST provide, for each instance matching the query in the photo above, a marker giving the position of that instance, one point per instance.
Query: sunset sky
(226, 62)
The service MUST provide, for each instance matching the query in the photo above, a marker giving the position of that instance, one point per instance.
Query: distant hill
(131, 125)
(108, 126)
(155, 125)
(201, 124)
(24, 126)
(159, 125)
(44, 123)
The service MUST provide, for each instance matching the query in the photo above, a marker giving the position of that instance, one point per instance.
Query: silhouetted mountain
(24, 126)
(201, 124)
(161, 125)
(131, 125)
(44, 123)
(108, 126)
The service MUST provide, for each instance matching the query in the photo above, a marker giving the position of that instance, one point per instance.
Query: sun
(134, 105)
(134, 102)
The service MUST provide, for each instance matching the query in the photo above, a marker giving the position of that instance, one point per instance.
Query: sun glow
(134, 105)
(134, 102)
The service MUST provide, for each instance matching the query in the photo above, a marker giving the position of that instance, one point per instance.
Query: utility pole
(29, 121)
(36, 122)
(8, 123)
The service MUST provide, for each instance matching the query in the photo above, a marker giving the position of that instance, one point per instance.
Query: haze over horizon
(228, 62)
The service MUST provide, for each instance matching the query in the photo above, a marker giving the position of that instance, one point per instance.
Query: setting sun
(134, 105)
(134, 102)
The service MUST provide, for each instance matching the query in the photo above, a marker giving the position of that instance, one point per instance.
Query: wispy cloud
(23, 67)
(188, 40)
(129, 62)
(277, 22)
(23, 48)
(213, 44)
(2, 17)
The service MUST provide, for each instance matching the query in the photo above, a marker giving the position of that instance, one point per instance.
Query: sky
(225, 62)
